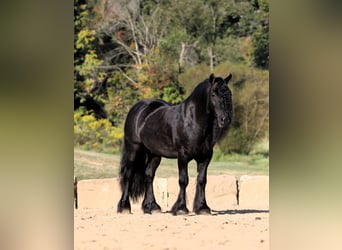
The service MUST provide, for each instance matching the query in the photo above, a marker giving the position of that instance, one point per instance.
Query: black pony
(189, 130)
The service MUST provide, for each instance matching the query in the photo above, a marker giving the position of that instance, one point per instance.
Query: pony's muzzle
(224, 121)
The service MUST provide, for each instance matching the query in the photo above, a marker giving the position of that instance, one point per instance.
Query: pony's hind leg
(124, 206)
(149, 204)
(128, 159)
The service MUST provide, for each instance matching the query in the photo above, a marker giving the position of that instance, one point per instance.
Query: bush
(261, 47)
(98, 135)
(251, 112)
(261, 148)
(173, 94)
(250, 90)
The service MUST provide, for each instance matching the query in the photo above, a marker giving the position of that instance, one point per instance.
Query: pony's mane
(202, 87)
(200, 91)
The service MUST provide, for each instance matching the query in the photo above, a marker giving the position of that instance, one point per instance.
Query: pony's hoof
(151, 208)
(205, 210)
(181, 211)
(124, 211)
(124, 207)
(154, 211)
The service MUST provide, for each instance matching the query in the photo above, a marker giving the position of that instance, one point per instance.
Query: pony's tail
(132, 173)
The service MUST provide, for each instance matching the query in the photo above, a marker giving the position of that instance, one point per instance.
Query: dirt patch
(230, 226)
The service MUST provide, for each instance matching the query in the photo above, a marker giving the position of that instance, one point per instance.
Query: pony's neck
(198, 100)
(203, 115)
(199, 97)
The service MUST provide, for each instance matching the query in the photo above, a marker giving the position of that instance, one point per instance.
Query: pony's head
(220, 100)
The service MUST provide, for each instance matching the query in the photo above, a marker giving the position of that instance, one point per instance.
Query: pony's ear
(227, 79)
(211, 78)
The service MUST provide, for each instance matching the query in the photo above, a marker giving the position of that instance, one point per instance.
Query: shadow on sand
(223, 212)
(239, 211)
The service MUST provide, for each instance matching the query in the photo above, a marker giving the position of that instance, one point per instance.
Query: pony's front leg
(200, 203)
(149, 204)
(180, 206)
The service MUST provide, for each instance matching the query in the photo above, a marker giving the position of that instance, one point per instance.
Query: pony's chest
(195, 140)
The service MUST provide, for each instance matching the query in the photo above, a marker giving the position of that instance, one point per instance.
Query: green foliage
(261, 47)
(173, 94)
(84, 38)
(233, 54)
(162, 49)
(261, 148)
(170, 44)
(121, 96)
(251, 112)
(86, 59)
(260, 41)
(97, 135)
(89, 70)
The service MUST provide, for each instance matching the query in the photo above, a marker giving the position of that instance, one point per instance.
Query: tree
(128, 36)
(86, 74)
(260, 39)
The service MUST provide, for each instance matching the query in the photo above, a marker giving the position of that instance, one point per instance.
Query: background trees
(128, 50)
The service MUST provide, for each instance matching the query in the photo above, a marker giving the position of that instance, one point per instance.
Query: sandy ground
(230, 226)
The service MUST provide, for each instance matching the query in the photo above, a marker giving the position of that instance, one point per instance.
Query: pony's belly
(166, 154)
(158, 138)
(164, 150)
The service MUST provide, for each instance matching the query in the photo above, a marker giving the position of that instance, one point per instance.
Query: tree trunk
(211, 58)
(211, 51)
(181, 59)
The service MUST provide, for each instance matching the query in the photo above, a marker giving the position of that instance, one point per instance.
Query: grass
(92, 165)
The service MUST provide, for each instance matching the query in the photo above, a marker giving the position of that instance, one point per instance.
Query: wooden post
(75, 192)
(160, 186)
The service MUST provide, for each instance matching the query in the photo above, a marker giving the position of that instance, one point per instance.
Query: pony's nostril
(222, 121)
